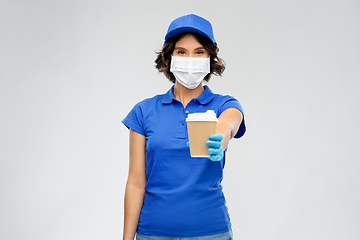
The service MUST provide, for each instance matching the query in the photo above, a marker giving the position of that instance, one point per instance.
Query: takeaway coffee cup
(200, 127)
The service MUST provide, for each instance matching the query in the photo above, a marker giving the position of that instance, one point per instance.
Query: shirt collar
(206, 96)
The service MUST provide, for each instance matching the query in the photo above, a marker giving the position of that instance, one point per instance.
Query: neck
(184, 95)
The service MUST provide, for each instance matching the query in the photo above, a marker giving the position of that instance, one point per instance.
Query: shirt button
(183, 123)
(186, 111)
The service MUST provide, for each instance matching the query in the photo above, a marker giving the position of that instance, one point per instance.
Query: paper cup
(200, 127)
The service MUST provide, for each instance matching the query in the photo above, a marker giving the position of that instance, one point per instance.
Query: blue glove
(216, 150)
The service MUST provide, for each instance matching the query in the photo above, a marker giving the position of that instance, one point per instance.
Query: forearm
(225, 130)
(228, 125)
(134, 199)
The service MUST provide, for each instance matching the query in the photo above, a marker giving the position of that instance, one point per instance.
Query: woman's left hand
(216, 150)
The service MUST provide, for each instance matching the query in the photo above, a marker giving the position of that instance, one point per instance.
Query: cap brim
(186, 29)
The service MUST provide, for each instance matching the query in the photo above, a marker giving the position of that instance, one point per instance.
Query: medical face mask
(190, 71)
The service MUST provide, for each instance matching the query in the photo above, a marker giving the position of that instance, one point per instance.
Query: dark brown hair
(217, 65)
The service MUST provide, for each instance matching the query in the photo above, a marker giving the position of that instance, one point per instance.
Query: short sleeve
(231, 102)
(134, 120)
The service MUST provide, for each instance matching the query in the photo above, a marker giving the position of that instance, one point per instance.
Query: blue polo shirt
(183, 195)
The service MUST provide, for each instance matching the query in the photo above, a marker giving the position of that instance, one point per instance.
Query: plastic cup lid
(209, 115)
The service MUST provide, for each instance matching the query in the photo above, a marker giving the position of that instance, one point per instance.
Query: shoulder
(209, 94)
(221, 97)
(151, 101)
(135, 119)
(226, 101)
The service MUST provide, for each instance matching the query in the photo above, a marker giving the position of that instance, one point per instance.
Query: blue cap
(190, 23)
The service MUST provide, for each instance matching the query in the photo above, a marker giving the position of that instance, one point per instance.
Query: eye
(199, 52)
(181, 52)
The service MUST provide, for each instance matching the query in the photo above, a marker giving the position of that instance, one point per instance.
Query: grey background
(71, 71)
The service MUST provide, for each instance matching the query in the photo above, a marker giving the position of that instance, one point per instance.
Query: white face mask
(190, 71)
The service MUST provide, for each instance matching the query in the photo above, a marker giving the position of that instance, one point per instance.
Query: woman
(169, 194)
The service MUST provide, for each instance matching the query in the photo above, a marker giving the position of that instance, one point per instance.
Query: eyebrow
(185, 48)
